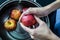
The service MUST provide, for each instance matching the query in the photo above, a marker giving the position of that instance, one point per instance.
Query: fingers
(30, 31)
(21, 16)
(24, 13)
(38, 20)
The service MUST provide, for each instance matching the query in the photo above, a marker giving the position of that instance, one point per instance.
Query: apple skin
(15, 14)
(24, 9)
(28, 20)
(10, 24)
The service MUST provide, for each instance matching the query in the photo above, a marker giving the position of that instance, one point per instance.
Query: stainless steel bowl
(19, 33)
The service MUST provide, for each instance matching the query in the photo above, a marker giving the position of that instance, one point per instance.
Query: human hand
(41, 32)
(58, 0)
(38, 11)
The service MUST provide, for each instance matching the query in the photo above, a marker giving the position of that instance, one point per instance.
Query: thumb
(30, 31)
(38, 20)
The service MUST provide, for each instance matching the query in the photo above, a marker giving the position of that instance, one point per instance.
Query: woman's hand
(41, 32)
(38, 11)
(58, 0)
(43, 11)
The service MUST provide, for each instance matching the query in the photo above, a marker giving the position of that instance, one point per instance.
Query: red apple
(15, 14)
(10, 24)
(24, 9)
(28, 20)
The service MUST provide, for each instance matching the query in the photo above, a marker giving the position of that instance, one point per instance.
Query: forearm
(50, 36)
(54, 37)
(53, 6)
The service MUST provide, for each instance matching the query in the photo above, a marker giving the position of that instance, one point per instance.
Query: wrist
(53, 37)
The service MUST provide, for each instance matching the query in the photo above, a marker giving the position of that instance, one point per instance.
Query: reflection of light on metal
(10, 36)
(34, 0)
(19, 1)
(33, 26)
(18, 33)
(5, 19)
(0, 38)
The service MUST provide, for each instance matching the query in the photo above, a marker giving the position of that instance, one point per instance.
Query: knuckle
(43, 23)
(34, 33)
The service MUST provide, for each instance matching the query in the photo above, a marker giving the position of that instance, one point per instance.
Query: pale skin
(42, 32)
